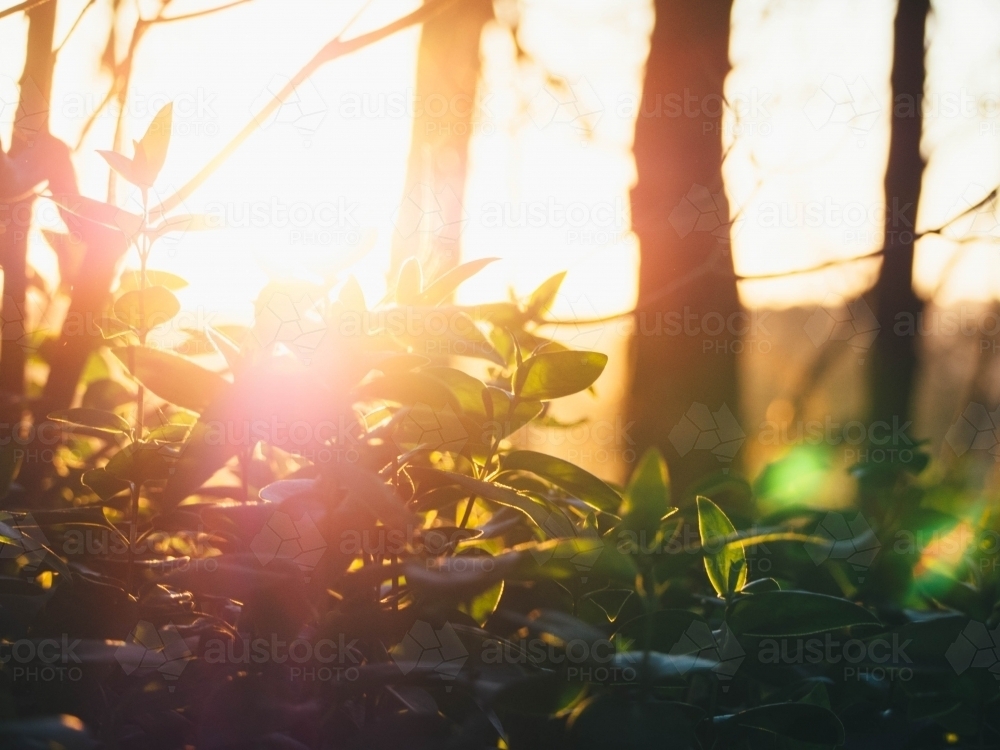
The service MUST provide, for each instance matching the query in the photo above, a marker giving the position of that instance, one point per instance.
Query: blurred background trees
(807, 176)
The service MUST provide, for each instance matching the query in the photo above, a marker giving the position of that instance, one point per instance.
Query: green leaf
(96, 419)
(123, 166)
(106, 394)
(793, 613)
(437, 331)
(555, 374)
(726, 564)
(483, 605)
(133, 280)
(802, 722)
(551, 521)
(181, 223)
(103, 484)
(151, 151)
(539, 695)
(613, 720)
(501, 420)
(226, 347)
(439, 290)
(542, 298)
(954, 594)
(409, 283)
(647, 496)
(351, 296)
(567, 476)
(467, 390)
(101, 213)
(169, 433)
(147, 308)
(140, 462)
(112, 328)
(173, 378)
(10, 464)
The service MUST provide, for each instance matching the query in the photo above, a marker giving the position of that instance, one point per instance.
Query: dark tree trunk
(684, 395)
(31, 127)
(431, 218)
(35, 156)
(894, 360)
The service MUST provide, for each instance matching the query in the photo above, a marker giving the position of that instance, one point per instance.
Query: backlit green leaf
(726, 564)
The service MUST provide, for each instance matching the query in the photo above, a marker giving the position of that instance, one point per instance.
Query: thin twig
(666, 291)
(72, 28)
(27, 5)
(197, 14)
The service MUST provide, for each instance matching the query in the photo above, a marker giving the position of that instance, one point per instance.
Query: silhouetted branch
(27, 5)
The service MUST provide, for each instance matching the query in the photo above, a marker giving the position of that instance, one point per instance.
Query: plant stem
(132, 533)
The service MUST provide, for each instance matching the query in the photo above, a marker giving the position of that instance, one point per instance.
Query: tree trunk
(431, 218)
(684, 395)
(894, 357)
(31, 127)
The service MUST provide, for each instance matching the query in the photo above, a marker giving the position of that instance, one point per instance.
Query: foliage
(337, 543)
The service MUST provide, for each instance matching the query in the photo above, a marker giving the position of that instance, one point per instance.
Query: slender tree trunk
(36, 155)
(30, 134)
(431, 218)
(894, 360)
(685, 391)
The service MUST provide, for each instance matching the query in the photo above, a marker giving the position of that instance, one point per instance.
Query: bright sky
(550, 163)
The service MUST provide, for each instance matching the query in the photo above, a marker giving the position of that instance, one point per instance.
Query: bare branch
(26, 5)
(198, 14)
(88, 6)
